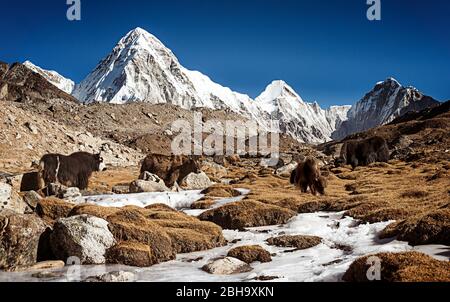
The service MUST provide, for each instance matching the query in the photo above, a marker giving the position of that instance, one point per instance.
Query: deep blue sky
(325, 49)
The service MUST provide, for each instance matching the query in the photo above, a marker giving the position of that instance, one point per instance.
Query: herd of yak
(76, 169)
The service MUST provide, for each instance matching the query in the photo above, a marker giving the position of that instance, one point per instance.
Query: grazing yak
(71, 171)
(171, 169)
(365, 152)
(307, 175)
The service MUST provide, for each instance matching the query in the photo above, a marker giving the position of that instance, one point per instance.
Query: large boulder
(227, 266)
(250, 254)
(10, 200)
(247, 213)
(401, 267)
(86, 237)
(143, 186)
(195, 181)
(19, 239)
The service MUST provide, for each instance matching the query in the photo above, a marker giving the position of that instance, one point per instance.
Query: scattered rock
(195, 181)
(401, 267)
(227, 266)
(44, 265)
(298, 242)
(214, 170)
(113, 277)
(32, 199)
(32, 128)
(10, 200)
(247, 213)
(86, 237)
(143, 186)
(250, 254)
(121, 189)
(62, 192)
(19, 239)
(286, 170)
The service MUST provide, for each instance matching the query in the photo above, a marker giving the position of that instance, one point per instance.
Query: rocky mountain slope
(53, 77)
(387, 101)
(19, 83)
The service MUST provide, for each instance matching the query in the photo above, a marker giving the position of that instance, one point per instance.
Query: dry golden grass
(402, 267)
(105, 181)
(405, 192)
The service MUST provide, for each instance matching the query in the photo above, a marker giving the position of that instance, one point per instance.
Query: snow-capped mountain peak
(53, 77)
(385, 102)
(141, 68)
(304, 121)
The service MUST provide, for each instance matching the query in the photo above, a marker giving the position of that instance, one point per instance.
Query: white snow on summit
(140, 68)
(53, 77)
(306, 122)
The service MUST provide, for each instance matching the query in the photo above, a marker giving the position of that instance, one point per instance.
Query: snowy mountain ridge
(141, 68)
(53, 77)
(387, 101)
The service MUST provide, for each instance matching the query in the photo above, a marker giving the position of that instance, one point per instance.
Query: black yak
(71, 171)
(365, 152)
(171, 169)
(307, 175)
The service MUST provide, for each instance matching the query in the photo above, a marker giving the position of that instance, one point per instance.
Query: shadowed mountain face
(387, 101)
(20, 84)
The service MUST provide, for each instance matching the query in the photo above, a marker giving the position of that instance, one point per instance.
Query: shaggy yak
(171, 169)
(365, 152)
(71, 171)
(307, 174)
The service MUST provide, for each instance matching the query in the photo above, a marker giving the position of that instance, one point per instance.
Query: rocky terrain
(251, 225)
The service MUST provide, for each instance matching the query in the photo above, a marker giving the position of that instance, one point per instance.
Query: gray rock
(143, 186)
(10, 200)
(86, 237)
(19, 239)
(31, 198)
(31, 127)
(227, 266)
(195, 181)
(121, 189)
(63, 192)
(119, 276)
(286, 170)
